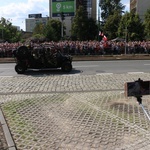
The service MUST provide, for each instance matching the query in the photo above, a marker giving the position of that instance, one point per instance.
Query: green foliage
(92, 29)
(111, 25)
(38, 37)
(56, 25)
(8, 32)
(79, 24)
(147, 24)
(109, 7)
(50, 31)
(82, 27)
(131, 26)
(39, 28)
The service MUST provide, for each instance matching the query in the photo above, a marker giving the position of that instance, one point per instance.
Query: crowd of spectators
(84, 47)
(6, 49)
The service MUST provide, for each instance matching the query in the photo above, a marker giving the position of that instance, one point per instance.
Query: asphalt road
(86, 109)
(87, 68)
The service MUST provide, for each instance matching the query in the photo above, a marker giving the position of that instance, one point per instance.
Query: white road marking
(87, 66)
(134, 72)
(77, 74)
(104, 73)
(5, 68)
(6, 76)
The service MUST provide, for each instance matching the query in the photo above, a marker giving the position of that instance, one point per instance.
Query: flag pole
(99, 19)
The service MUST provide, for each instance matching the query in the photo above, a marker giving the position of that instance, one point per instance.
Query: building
(140, 7)
(68, 8)
(90, 6)
(33, 20)
(17, 27)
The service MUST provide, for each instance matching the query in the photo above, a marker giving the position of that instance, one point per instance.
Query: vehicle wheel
(66, 67)
(20, 69)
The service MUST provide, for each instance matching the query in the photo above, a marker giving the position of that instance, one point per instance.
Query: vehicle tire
(20, 69)
(66, 67)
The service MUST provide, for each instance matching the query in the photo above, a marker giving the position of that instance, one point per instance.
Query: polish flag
(101, 33)
(105, 38)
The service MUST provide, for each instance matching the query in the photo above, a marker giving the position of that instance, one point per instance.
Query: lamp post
(62, 29)
(62, 18)
(126, 30)
(99, 17)
(3, 32)
(47, 19)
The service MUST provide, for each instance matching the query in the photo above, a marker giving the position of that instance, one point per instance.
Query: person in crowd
(84, 47)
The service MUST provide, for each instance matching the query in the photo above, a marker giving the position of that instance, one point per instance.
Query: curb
(7, 134)
(111, 57)
(96, 57)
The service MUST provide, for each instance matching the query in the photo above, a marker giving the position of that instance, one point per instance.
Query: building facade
(33, 20)
(140, 7)
(90, 6)
(69, 7)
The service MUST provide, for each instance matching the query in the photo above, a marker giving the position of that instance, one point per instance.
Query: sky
(17, 11)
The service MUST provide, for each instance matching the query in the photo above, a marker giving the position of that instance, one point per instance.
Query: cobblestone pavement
(74, 112)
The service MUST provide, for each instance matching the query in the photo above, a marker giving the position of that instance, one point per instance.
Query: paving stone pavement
(3, 143)
(74, 112)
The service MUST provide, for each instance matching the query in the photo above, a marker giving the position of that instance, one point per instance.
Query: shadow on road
(47, 72)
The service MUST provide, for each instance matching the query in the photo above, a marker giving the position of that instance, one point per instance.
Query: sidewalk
(97, 57)
(77, 112)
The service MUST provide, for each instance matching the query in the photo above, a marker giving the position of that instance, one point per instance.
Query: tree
(13, 34)
(109, 7)
(52, 30)
(111, 25)
(39, 28)
(92, 29)
(147, 24)
(83, 28)
(78, 29)
(131, 27)
(38, 32)
(49, 32)
(8, 32)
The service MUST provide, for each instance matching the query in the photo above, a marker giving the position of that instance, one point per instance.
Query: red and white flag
(105, 38)
(101, 33)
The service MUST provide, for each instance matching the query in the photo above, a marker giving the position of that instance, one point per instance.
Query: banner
(65, 6)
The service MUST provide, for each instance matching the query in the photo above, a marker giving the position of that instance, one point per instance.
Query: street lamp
(126, 30)
(47, 18)
(99, 17)
(62, 18)
(3, 32)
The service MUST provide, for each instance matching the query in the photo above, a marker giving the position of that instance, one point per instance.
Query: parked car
(42, 57)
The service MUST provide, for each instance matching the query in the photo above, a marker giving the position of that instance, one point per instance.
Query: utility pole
(3, 32)
(62, 18)
(99, 18)
(126, 30)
